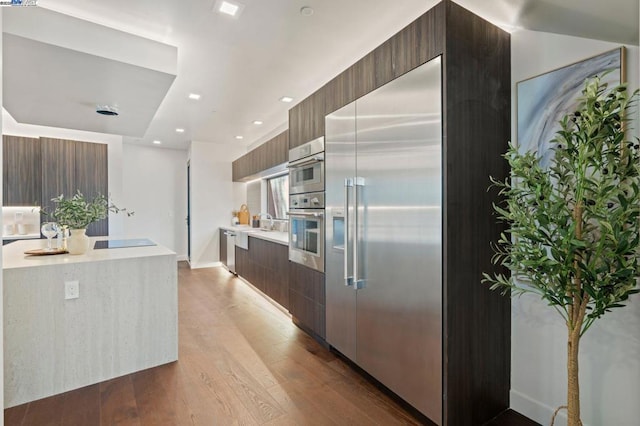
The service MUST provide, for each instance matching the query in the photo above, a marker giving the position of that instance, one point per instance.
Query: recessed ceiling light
(194, 96)
(228, 8)
(306, 11)
(157, 142)
(179, 130)
(286, 99)
(257, 122)
(239, 137)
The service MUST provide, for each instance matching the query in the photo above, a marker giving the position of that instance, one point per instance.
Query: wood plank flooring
(241, 362)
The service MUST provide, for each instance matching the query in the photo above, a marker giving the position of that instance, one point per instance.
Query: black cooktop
(109, 244)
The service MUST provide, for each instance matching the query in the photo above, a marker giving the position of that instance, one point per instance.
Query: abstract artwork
(545, 99)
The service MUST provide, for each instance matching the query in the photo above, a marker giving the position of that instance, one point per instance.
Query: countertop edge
(259, 234)
(103, 255)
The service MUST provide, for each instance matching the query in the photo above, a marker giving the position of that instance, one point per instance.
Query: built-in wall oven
(306, 204)
(306, 167)
(306, 229)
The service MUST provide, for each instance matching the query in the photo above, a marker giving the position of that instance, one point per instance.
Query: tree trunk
(573, 385)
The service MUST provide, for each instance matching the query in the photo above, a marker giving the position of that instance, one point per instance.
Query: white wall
(114, 153)
(156, 190)
(610, 350)
(213, 197)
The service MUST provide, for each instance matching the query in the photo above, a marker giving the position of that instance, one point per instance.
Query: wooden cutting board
(243, 215)
(44, 252)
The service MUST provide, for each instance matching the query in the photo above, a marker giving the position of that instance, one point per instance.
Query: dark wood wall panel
(477, 128)
(58, 171)
(21, 171)
(91, 178)
(69, 166)
(374, 70)
(341, 90)
(419, 41)
(306, 120)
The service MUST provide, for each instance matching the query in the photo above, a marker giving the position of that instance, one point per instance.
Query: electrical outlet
(71, 289)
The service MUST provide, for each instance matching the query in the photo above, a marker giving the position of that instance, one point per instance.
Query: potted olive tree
(76, 213)
(573, 229)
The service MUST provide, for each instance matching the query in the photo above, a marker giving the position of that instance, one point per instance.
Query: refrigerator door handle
(348, 278)
(358, 183)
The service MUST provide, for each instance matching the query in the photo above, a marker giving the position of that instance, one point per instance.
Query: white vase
(78, 242)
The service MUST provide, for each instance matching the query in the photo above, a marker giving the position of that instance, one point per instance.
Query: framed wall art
(544, 99)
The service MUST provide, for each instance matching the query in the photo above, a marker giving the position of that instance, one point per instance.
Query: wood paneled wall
(21, 171)
(37, 170)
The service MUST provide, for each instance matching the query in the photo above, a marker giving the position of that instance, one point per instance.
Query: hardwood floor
(241, 362)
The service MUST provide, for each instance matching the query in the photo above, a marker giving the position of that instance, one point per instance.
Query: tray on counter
(44, 252)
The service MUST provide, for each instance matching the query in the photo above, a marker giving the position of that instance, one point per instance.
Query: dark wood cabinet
(242, 262)
(21, 171)
(374, 70)
(341, 90)
(69, 166)
(265, 265)
(419, 41)
(91, 177)
(58, 170)
(223, 247)
(307, 298)
(270, 154)
(306, 120)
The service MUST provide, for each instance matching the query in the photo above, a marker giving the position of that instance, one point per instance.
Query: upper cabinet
(36, 170)
(69, 166)
(270, 154)
(411, 47)
(419, 41)
(21, 171)
(306, 120)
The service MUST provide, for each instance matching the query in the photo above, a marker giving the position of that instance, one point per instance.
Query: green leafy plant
(573, 229)
(78, 213)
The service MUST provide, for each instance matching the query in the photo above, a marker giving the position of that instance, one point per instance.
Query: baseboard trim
(536, 410)
(182, 258)
(204, 265)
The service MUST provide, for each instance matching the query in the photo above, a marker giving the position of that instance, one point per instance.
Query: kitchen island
(124, 318)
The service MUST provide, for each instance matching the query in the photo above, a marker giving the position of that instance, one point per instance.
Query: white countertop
(13, 254)
(273, 236)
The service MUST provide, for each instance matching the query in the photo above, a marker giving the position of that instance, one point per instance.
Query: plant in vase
(76, 213)
(573, 229)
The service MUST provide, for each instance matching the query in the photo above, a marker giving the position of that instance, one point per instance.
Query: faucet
(268, 216)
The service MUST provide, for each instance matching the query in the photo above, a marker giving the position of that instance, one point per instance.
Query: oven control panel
(309, 200)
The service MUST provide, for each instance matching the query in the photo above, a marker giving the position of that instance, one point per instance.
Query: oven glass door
(306, 238)
(306, 177)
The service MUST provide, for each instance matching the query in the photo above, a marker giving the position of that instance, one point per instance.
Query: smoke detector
(107, 110)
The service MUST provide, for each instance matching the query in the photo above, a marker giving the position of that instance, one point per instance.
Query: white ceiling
(242, 66)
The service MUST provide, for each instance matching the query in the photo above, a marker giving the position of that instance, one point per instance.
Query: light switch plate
(71, 289)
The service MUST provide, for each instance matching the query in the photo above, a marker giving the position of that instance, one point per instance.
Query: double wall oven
(306, 204)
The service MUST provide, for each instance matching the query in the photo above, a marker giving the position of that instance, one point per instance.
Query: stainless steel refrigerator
(384, 235)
